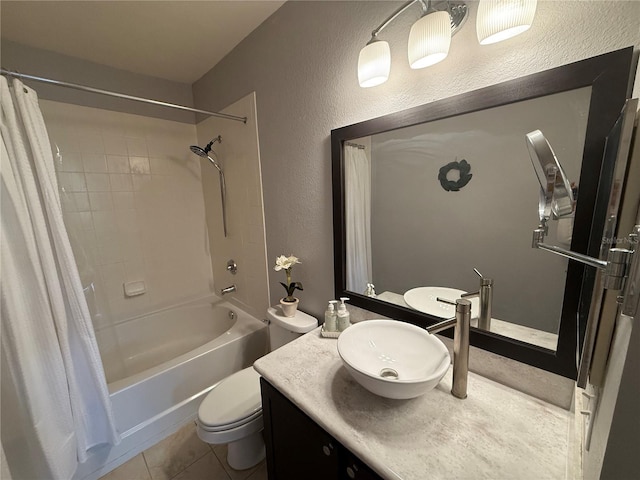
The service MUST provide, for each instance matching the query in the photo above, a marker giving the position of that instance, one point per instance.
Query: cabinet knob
(351, 472)
(327, 449)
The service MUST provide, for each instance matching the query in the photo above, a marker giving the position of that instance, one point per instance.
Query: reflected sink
(424, 299)
(393, 359)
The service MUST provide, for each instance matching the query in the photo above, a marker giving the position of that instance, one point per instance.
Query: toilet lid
(233, 400)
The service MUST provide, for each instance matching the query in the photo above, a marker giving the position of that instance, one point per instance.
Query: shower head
(204, 152)
(198, 151)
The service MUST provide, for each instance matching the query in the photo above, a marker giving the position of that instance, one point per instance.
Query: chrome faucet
(461, 324)
(486, 300)
(226, 290)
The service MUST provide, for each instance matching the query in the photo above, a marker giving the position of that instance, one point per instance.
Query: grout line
(144, 459)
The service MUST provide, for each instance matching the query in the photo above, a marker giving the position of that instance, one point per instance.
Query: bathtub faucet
(226, 290)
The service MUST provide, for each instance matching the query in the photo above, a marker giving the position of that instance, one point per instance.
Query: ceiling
(175, 40)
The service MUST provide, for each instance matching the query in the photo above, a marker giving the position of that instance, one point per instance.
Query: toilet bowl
(231, 413)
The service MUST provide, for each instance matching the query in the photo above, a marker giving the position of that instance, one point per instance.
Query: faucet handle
(483, 280)
(446, 300)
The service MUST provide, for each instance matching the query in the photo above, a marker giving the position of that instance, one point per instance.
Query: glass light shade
(374, 63)
(429, 40)
(499, 20)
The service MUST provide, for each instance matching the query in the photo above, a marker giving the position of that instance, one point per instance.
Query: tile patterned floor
(183, 456)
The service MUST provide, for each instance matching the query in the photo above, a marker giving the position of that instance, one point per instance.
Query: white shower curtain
(58, 401)
(357, 166)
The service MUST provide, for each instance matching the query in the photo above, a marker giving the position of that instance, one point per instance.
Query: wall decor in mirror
(424, 196)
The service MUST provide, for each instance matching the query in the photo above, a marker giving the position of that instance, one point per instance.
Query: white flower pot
(289, 308)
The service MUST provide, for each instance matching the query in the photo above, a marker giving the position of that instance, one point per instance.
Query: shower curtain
(358, 218)
(55, 402)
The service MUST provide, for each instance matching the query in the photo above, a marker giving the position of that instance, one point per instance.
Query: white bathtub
(171, 359)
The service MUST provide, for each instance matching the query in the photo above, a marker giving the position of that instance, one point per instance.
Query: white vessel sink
(424, 299)
(393, 359)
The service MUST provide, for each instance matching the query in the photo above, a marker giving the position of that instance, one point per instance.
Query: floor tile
(134, 469)
(207, 468)
(260, 472)
(173, 454)
(221, 453)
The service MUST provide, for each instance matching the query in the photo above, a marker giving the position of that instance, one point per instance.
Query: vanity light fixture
(430, 36)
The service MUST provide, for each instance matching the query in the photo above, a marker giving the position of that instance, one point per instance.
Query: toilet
(231, 413)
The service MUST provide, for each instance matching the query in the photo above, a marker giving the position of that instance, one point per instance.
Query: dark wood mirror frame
(610, 78)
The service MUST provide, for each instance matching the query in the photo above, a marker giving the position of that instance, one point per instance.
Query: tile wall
(239, 155)
(132, 201)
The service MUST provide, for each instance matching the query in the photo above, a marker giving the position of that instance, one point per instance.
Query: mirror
(423, 196)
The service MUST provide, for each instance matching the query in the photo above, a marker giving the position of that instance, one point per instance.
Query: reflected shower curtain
(357, 167)
(55, 402)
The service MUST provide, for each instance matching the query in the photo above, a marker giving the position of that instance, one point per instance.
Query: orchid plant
(286, 264)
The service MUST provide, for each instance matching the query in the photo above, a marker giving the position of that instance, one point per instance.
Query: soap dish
(326, 334)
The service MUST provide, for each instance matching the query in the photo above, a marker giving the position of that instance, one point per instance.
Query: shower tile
(121, 182)
(123, 200)
(136, 147)
(100, 201)
(110, 251)
(118, 164)
(90, 142)
(94, 163)
(139, 165)
(69, 162)
(81, 201)
(113, 277)
(127, 222)
(97, 182)
(72, 182)
(173, 454)
(207, 468)
(141, 182)
(67, 203)
(114, 144)
(78, 221)
(134, 469)
(105, 223)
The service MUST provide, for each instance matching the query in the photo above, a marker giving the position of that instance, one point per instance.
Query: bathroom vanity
(320, 423)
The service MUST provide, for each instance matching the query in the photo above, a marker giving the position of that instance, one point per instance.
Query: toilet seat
(233, 402)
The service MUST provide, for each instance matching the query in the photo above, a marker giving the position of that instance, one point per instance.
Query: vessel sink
(424, 299)
(393, 359)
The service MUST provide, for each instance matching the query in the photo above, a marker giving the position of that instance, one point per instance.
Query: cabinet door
(297, 448)
(352, 468)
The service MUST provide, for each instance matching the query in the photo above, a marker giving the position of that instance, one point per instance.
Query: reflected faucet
(486, 300)
(461, 324)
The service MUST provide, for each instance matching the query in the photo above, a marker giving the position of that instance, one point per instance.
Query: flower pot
(289, 308)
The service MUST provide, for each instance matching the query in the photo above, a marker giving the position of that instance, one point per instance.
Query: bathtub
(164, 365)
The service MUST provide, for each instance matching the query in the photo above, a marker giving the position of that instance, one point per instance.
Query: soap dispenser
(330, 317)
(343, 315)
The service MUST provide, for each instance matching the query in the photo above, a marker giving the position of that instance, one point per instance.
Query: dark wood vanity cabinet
(297, 448)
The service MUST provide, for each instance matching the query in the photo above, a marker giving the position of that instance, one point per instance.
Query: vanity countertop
(495, 433)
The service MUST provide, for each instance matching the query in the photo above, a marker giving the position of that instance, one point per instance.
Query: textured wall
(302, 65)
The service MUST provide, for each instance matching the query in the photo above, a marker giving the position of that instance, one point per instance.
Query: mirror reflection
(426, 204)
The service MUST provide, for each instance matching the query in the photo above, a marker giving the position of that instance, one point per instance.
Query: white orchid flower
(285, 263)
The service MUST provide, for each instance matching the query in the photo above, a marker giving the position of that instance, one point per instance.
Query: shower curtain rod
(85, 88)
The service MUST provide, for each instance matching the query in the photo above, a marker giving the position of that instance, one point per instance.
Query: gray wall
(43, 63)
(301, 63)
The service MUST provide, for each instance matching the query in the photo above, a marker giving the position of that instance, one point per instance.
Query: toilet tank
(283, 329)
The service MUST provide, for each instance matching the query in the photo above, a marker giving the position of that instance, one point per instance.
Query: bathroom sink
(424, 299)
(393, 359)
